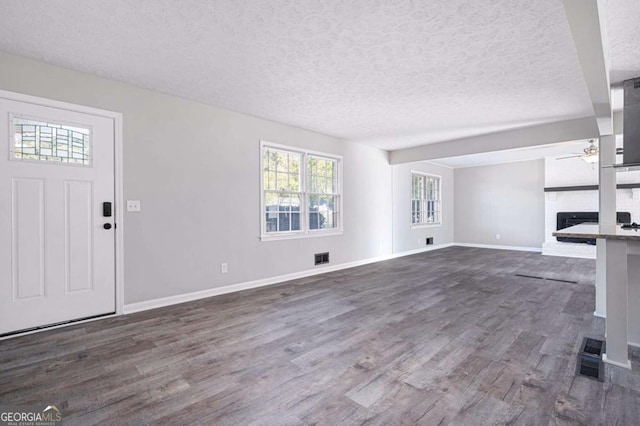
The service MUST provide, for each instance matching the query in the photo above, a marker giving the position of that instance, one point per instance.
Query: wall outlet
(429, 241)
(224, 268)
(497, 236)
(133, 205)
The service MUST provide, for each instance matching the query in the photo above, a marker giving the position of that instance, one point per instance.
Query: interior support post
(607, 217)
(607, 176)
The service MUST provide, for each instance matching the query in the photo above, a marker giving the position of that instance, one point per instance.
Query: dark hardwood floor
(447, 337)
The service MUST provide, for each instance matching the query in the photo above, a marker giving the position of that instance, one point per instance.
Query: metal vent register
(321, 258)
(590, 359)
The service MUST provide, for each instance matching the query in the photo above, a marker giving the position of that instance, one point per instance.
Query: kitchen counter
(592, 231)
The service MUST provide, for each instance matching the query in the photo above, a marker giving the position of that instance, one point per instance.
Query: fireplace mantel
(588, 187)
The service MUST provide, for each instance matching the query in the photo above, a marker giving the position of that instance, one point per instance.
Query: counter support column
(601, 278)
(616, 276)
(633, 293)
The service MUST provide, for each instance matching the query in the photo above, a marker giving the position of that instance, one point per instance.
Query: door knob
(107, 226)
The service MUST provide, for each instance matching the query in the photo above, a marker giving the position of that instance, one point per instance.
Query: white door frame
(119, 194)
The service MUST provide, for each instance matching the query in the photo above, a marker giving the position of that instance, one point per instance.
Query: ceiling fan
(590, 154)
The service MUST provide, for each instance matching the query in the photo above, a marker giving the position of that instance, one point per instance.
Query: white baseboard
(497, 247)
(188, 297)
(419, 250)
(599, 315)
(582, 251)
(562, 254)
(634, 344)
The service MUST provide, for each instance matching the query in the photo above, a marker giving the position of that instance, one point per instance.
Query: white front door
(57, 259)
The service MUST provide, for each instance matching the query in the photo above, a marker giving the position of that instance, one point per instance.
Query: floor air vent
(547, 279)
(561, 281)
(529, 276)
(590, 359)
(321, 258)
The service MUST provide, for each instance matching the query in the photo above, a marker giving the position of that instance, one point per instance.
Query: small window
(426, 205)
(35, 140)
(300, 192)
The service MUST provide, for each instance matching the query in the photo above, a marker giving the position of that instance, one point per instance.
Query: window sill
(295, 236)
(426, 225)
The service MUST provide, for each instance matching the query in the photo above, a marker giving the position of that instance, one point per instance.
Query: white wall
(406, 237)
(195, 169)
(505, 199)
(569, 172)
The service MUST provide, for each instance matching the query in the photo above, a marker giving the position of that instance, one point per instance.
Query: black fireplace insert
(567, 219)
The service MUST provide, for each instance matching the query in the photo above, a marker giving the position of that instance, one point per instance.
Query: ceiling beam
(563, 131)
(592, 45)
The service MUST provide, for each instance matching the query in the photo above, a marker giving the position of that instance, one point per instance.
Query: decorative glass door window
(35, 140)
(425, 199)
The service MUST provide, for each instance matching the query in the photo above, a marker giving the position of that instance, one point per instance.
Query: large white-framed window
(301, 192)
(426, 200)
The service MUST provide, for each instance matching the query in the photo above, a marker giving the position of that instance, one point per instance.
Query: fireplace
(567, 219)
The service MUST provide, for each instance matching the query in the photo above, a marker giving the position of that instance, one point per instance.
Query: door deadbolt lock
(106, 209)
(107, 226)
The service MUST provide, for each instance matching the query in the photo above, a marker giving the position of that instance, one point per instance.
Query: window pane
(322, 211)
(270, 180)
(50, 142)
(294, 182)
(295, 221)
(281, 170)
(284, 222)
(312, 174)
(282, 180)
(416, 216)
(330, 220)
(419, 187)
(282, 211)
(265, 160)
(329, 185)
(282, 161)
(321, 175)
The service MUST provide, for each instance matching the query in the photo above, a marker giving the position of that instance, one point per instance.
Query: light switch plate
(133, 205)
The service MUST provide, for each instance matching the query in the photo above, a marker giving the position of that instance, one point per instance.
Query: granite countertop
(593, 231)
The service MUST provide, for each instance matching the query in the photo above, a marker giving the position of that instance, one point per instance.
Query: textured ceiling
(391, 73)
(623, 27)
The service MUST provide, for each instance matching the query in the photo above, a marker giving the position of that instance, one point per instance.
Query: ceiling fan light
(591, 159)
